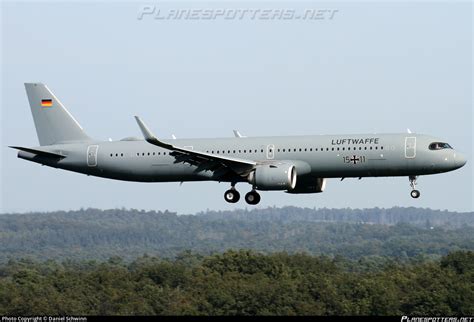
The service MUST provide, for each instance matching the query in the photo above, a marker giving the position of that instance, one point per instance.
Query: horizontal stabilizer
(39, 152)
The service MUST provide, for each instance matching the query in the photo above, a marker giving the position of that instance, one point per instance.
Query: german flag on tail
(46, 102)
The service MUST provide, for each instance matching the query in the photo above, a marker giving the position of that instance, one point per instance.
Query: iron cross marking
(355, 159)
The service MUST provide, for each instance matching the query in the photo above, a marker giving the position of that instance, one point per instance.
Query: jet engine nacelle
(281, 176)
(309, 185)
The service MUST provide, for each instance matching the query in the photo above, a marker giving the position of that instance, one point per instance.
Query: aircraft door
(410, 147)
(270, 151)
(92, 155)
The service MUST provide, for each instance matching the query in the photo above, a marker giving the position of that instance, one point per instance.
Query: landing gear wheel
(252, 197)
(232, 196)
(415, 194)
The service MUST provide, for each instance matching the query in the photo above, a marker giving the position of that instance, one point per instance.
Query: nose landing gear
(414, 193)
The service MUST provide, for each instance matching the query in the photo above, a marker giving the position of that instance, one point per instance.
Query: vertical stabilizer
(53, 122)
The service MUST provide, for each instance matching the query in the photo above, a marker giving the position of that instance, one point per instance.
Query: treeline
(100, 234)
(420, 217)
(238, 283)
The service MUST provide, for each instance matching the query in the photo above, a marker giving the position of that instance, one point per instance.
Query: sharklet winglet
(149, 136)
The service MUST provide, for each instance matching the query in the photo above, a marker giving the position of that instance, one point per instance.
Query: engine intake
(280, 176)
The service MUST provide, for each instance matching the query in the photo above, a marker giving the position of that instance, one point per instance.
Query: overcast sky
(358, 68)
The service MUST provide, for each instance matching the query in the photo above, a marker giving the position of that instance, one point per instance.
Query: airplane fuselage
(321, 156)
(295, 164)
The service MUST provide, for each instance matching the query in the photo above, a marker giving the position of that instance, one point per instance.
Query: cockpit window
(439, 146)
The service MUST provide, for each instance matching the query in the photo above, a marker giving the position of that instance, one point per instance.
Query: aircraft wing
(204, 161)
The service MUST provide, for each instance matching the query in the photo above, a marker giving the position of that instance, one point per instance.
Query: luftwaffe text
(355, 141)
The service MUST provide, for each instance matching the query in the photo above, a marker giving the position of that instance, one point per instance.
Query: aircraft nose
(459, 160)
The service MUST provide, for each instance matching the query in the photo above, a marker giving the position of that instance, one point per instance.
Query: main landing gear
(252, 197)
(414, 193)
(232, 196)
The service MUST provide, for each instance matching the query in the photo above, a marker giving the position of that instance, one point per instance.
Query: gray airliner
(294, 164)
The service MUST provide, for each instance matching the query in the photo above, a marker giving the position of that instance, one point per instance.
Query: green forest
(239, 283)
(271, 261)
(401, 233)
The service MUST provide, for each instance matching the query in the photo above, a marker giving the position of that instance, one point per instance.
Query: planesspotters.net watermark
(154, 12)
(436, 319)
